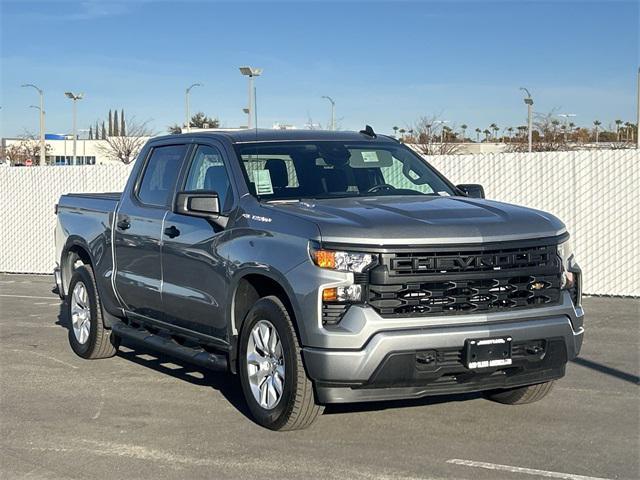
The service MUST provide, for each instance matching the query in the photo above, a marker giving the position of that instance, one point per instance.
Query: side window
(160, 175)
(207, 172)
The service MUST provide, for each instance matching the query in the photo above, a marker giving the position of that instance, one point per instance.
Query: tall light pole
(441, 131)
(529, 102)
(251, 72)
(186, 101)
(41, 108)
(638, 115)
(333, 111)
(74, 97)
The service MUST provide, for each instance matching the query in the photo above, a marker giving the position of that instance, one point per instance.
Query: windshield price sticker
(262, 181)
(370, 157)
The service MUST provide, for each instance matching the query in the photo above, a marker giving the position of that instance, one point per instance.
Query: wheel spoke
(257, 341)
(263, 394)
(273, 342)
(264, 337)
(254, 358)
(277, 349)
(277, 384)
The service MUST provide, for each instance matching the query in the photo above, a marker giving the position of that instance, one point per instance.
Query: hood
(425, 220)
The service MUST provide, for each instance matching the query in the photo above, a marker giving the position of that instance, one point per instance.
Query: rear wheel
(273, 379)
(87, 336)
(520, 395)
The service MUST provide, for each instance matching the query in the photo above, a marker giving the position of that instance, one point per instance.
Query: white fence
(596, 193)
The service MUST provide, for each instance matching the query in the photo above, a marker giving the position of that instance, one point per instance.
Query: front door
(194, 288)
(138, 231)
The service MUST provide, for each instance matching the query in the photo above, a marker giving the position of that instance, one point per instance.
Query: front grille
(457, 281)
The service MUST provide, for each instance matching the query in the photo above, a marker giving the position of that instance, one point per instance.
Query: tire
(94, 341)
(520, 395)
(295, 409)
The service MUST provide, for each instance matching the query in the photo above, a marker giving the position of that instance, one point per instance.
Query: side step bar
(200, 357)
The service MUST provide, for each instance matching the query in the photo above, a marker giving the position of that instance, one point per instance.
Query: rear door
(195, 284)
(138, 232)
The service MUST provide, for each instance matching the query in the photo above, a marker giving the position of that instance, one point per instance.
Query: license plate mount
(486, 353)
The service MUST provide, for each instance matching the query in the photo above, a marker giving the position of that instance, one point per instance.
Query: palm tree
(478, 132)
(402, 132)
(597, 124)
(464, 127)
(510, 130)
(522, 129)
(627, 130)
(572, 126)
(446, 133)
(395, 131)
(495, 129)
(486, 132)
(618, 123)
(555, 124)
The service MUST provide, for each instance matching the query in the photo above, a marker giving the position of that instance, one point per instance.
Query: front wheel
(277, 390)
(520, 395)
(87, 336)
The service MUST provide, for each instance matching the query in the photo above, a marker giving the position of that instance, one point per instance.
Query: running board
(202, 358)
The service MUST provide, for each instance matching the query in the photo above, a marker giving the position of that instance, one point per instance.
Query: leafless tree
(545, 135)
(429, 138)
(28, 148)
(126, 149)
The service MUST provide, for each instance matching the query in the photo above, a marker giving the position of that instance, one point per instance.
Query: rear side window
(160, 175)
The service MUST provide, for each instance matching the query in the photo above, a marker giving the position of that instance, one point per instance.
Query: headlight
(566, 254)
(342, 261)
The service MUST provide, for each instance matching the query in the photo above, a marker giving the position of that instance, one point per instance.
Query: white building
(60, 150)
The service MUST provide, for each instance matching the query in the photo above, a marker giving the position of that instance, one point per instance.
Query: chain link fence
(594, 192)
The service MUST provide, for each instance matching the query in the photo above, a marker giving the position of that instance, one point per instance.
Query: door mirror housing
(472, 190)
(200, 203)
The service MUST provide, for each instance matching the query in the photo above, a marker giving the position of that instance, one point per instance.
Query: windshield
(295, 170)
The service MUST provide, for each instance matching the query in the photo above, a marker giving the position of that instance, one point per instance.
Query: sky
(386, 63)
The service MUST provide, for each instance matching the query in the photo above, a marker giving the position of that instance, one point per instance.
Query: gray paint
(190, 281)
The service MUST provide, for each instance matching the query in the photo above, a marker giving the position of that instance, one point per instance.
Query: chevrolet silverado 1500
(320, 267)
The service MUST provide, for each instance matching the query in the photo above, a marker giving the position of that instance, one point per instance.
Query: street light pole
(333, 111)
(42, 146)
(529, 101)
(186, 100)
(251, 72)
(74, 97)
(638, 115)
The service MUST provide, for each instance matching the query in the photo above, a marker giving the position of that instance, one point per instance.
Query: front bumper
(386, 367)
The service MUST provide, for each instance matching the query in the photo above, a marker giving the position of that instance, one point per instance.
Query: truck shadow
(138, 353)
(229, 386)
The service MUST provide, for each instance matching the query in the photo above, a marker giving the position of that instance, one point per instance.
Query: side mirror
(472, 190)
(198, 204)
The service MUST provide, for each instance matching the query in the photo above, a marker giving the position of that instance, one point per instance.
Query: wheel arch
(249, 287)
(76, 249)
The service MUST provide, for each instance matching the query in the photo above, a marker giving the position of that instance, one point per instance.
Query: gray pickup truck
(321, 267)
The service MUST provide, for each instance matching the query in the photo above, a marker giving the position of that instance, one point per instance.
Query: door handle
(123, 224)
(171, 231)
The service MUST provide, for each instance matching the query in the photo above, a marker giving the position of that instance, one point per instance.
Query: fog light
(352, 293)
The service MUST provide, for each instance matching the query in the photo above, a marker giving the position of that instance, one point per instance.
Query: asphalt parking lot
(141, 416)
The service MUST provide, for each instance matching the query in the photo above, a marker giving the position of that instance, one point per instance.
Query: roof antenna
(368, 131)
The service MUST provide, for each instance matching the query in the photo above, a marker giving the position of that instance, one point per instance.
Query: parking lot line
(526, 471)
(26, 296)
